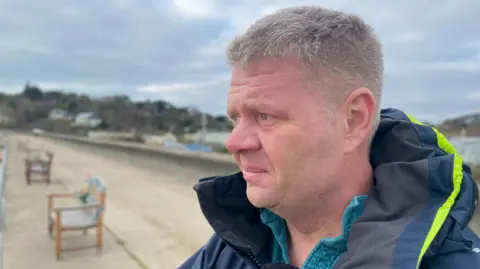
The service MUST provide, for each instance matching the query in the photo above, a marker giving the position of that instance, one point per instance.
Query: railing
(3, 177)
(468, 148)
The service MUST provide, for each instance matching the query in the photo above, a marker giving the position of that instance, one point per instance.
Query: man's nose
(242, 138)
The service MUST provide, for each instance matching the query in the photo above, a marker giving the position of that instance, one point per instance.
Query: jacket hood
(423, 192)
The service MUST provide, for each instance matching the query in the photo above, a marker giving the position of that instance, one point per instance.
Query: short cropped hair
(337, 47)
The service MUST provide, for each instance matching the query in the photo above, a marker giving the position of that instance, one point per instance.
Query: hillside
(466, 125)
(32, 108)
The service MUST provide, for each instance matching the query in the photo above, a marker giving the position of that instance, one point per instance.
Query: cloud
(407, 37)
(184, 93)
(183, 87)
(175, 49)
(462, 66)
(473, 96)
(196, 8)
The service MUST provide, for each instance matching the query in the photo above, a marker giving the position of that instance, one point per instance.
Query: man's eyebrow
(260, 102)
(255, 104)
(254, 101)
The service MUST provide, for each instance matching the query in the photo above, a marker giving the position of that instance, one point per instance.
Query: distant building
(6, 120)
(87, 119)
(472, 119)
(59, 114)
(463, 120)
(211, 137)
(7, 115)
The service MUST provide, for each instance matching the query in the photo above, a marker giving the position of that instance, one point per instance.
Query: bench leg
(50, 229)
(58, 238)
(27, 177)
(99, 238)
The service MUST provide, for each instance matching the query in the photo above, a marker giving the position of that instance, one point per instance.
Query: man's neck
(323, 218)
(307, 230)
(303, 237)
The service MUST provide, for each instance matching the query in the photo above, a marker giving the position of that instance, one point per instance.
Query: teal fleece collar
(327, 251)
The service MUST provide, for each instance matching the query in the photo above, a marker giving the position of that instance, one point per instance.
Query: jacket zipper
(255, 260)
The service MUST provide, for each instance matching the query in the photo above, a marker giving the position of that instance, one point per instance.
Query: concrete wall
(185, 165)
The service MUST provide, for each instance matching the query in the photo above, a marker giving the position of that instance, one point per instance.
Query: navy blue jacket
(416, 215)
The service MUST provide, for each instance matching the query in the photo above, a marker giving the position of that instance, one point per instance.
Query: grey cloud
(118, 46)
(98, 42)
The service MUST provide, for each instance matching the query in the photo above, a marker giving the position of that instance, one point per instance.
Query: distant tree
(221, 118)
(140, 105)
(11, 104)
(122, 98)
(32, 92)
(188, 122)
(42, 109)
(55, 95)
(62, 106)
(161, 106)
(72, 105)
(83, 103)
(103, 126)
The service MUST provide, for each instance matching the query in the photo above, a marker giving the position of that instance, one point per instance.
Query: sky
(175, 49)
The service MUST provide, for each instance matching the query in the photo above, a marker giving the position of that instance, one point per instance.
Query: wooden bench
(86, 213)
(38, 162)
(23, 145)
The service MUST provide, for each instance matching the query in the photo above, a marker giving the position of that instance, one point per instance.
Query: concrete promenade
(151, 220)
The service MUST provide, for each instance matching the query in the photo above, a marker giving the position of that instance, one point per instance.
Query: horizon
(99, 97)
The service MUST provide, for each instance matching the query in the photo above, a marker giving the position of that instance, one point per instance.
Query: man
(327, 179)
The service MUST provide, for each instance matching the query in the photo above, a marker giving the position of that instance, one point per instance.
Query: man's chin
(260, 197)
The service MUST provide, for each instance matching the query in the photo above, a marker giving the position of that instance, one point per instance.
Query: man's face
(286, 144)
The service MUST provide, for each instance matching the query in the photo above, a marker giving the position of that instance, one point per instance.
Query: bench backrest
(38, 161)
(39, 156)
(96, 192)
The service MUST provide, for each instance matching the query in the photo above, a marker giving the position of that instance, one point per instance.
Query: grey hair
(339, 46)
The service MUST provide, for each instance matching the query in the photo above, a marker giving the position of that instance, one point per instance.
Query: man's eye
(234, 119)
(264, 116)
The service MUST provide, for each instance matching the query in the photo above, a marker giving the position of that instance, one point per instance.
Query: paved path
(26, 243)
(156, 218)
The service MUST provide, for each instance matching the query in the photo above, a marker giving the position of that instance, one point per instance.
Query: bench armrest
(61, 195)
(76, 207)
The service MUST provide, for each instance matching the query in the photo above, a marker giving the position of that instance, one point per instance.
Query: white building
(86, 119)
(59, 114)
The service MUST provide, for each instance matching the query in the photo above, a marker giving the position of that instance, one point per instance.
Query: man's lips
(253, 169)
(253, 174)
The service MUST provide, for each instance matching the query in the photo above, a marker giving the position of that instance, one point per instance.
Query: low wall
(185, 165)
(3, 176)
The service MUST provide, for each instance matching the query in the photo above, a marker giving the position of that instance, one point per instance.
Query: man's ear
(359, 109)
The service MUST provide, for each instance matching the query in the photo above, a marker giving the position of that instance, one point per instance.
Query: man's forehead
(257, 71)
(255, 95)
